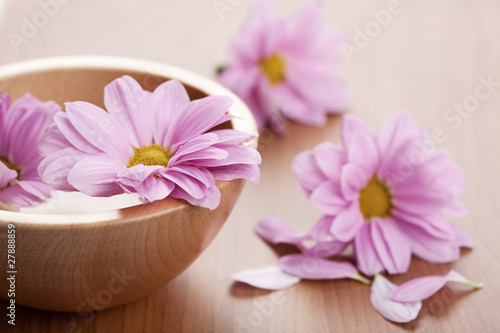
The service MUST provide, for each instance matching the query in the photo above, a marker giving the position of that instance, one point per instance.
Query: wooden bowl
(85, 262)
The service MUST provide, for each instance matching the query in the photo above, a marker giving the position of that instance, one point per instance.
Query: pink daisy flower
(285, 67)
(387, 194)
(152, 144)
(22, 126)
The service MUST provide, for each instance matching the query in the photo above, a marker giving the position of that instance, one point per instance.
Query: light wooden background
(428, 58)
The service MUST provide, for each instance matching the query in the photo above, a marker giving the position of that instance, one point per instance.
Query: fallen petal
(267, 277)
(312, 268)
(275, 230)
(423, 287)
(389, 309)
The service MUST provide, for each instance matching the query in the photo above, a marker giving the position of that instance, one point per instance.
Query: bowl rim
(244, 122)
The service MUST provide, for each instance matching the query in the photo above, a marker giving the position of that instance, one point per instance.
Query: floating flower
(402, 304)
(285, 67)
(387, 194)
(152, 144)
(22, 126)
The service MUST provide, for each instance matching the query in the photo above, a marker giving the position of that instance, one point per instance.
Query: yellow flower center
(375, 199)
(273, 68)
(153, 154)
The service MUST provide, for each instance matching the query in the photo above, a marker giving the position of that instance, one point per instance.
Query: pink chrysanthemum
(22, 126)
(152, 144)
(285, 67)
(387, 194)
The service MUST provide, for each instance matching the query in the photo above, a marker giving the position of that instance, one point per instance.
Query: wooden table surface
(430, 56)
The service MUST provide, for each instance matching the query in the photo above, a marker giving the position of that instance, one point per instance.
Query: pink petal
(367, 258)
(267, 277)
(18, 197)
(462, 238)
(435, 224)
(430, 248)
(237, 171)
(328, 198)
(6, 175)
(394, 311)
(127, 103)
(130, 178)
(398, 128)
(295, 107)
(311, 268)
(321, 230)
(154, 188)
(167, 102)
(211, 199)
(347, 223)
(229, 136)
(100, 129)
(424, 287)
(199, 116)
(330, 159)
(53, 141)
(96, 176)
(362, 150)
(391, 244)
(54, 169)
(308, 173)
(192, 186)
(37, 188)
(275, 230)
(354, 178)
(350, 125)
(326, 249)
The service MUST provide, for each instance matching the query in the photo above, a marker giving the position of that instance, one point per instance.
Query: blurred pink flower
(152, 144)
(22, 126)
(387, 194)
(285, 67)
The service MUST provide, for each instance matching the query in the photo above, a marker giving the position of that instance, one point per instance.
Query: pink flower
(285, 67)
(387, 194)
(152, 144)
(22, 126)
(402, 303)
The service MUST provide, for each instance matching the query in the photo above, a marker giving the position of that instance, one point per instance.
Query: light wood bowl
(85, 262)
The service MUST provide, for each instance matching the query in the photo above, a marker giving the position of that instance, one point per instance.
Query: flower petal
(367, 258)
(308, 173)
(350, 125)
(96, 176)
(354, 178)
(267, 277)
(392, 245)
(100, 129)
(275, 230)
(6, 175)
(249, 172)
(394, 311)
(330, 159)
(347, 223)
(326, 249)
(311, 268)
(328, 198)
(424, 287)
(128, 106)
(199, 116)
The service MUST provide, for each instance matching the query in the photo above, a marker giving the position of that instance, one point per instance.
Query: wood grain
(428, 58)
